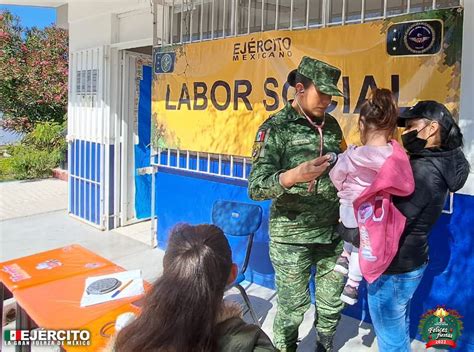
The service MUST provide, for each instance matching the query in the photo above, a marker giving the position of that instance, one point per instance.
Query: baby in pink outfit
(354, 171)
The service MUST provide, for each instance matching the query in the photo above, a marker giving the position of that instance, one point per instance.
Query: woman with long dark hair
(434, 142)
(184, 310)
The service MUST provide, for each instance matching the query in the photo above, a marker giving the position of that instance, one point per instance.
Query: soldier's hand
(305, 172)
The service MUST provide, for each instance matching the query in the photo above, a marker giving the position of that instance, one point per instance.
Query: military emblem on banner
(415, 38)
(163, 62)
(440, 328)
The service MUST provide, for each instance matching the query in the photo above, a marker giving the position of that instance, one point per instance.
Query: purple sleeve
(338, 174)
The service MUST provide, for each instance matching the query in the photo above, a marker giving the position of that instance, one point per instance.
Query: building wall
(62, 16)
(97, 24)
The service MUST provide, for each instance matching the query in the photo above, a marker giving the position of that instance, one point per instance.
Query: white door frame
(130, 80)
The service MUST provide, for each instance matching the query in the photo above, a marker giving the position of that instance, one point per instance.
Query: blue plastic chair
(242, 220)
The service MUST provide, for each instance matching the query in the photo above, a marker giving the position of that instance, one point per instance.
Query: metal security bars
(231, 167)
(185, 21)
(87, 137)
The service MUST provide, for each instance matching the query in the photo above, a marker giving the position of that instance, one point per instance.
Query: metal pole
(154, 169)
(291, 14)
(172, 23)
(155, 23)
(118, 151)
(98, 134)
(125, 118)
(307, 14)
(181, 18)
(88, 145)
(224, 18)
(191, 24)
(262, 27)
(163, 27)
(324, 12)
(70, 142)
(104, 153)
(385, 8)
(362, 12)
(83, 75)
(277, 7)
(202, 16)
(234, 17)
(212, 19)
(248, 17)
(343, 16)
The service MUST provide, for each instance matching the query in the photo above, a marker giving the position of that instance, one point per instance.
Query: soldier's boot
(324, 343)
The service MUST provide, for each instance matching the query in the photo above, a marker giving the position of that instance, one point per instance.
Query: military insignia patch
(257, 148)
(259, 145)
(261, 135)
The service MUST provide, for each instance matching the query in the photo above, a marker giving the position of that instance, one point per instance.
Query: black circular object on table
(103, 286)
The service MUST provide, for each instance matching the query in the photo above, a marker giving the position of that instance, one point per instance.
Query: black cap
(428, 109)
(292, 78)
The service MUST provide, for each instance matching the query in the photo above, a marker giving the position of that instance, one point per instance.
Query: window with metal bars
(86, 86)
(196, 20)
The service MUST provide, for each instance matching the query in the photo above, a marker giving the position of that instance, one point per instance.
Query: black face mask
(412, 143)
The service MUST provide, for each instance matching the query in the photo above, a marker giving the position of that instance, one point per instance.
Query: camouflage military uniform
(302, 223)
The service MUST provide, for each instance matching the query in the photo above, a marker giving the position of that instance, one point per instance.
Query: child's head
(378, 115)
(180, 310)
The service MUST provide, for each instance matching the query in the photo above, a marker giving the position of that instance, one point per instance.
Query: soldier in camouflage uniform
(303, 220)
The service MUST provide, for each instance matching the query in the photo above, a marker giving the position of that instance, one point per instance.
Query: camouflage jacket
(283, 142)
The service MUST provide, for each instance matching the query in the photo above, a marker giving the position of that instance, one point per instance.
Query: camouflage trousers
(292, 264)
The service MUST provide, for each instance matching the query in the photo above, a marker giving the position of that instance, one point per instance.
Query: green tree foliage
(34, 74)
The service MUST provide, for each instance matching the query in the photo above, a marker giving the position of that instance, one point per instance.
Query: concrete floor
(34, 219)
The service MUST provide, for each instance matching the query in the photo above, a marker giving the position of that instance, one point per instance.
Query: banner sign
(211, 96)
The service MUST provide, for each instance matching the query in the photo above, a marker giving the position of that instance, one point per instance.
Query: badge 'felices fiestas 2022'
(440, 328)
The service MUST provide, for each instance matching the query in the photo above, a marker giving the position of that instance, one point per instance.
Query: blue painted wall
(449, 279)
(142, 149)
(84, 179)
(183, 197)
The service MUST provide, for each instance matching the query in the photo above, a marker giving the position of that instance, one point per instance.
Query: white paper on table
(134, 289)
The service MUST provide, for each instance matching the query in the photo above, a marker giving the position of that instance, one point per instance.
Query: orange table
(53, 301)
(56, 305)
(97, 340)
(49, 266)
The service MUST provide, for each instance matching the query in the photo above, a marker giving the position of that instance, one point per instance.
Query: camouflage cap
(323, 75)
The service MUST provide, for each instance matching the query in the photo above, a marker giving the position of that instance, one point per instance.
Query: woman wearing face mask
(434, 142)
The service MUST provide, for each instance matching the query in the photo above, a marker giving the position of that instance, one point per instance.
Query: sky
(31, 16)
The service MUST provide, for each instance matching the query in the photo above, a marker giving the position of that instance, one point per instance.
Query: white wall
(90, 32)
(94, 24)
(135, 26)
(62, 16)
